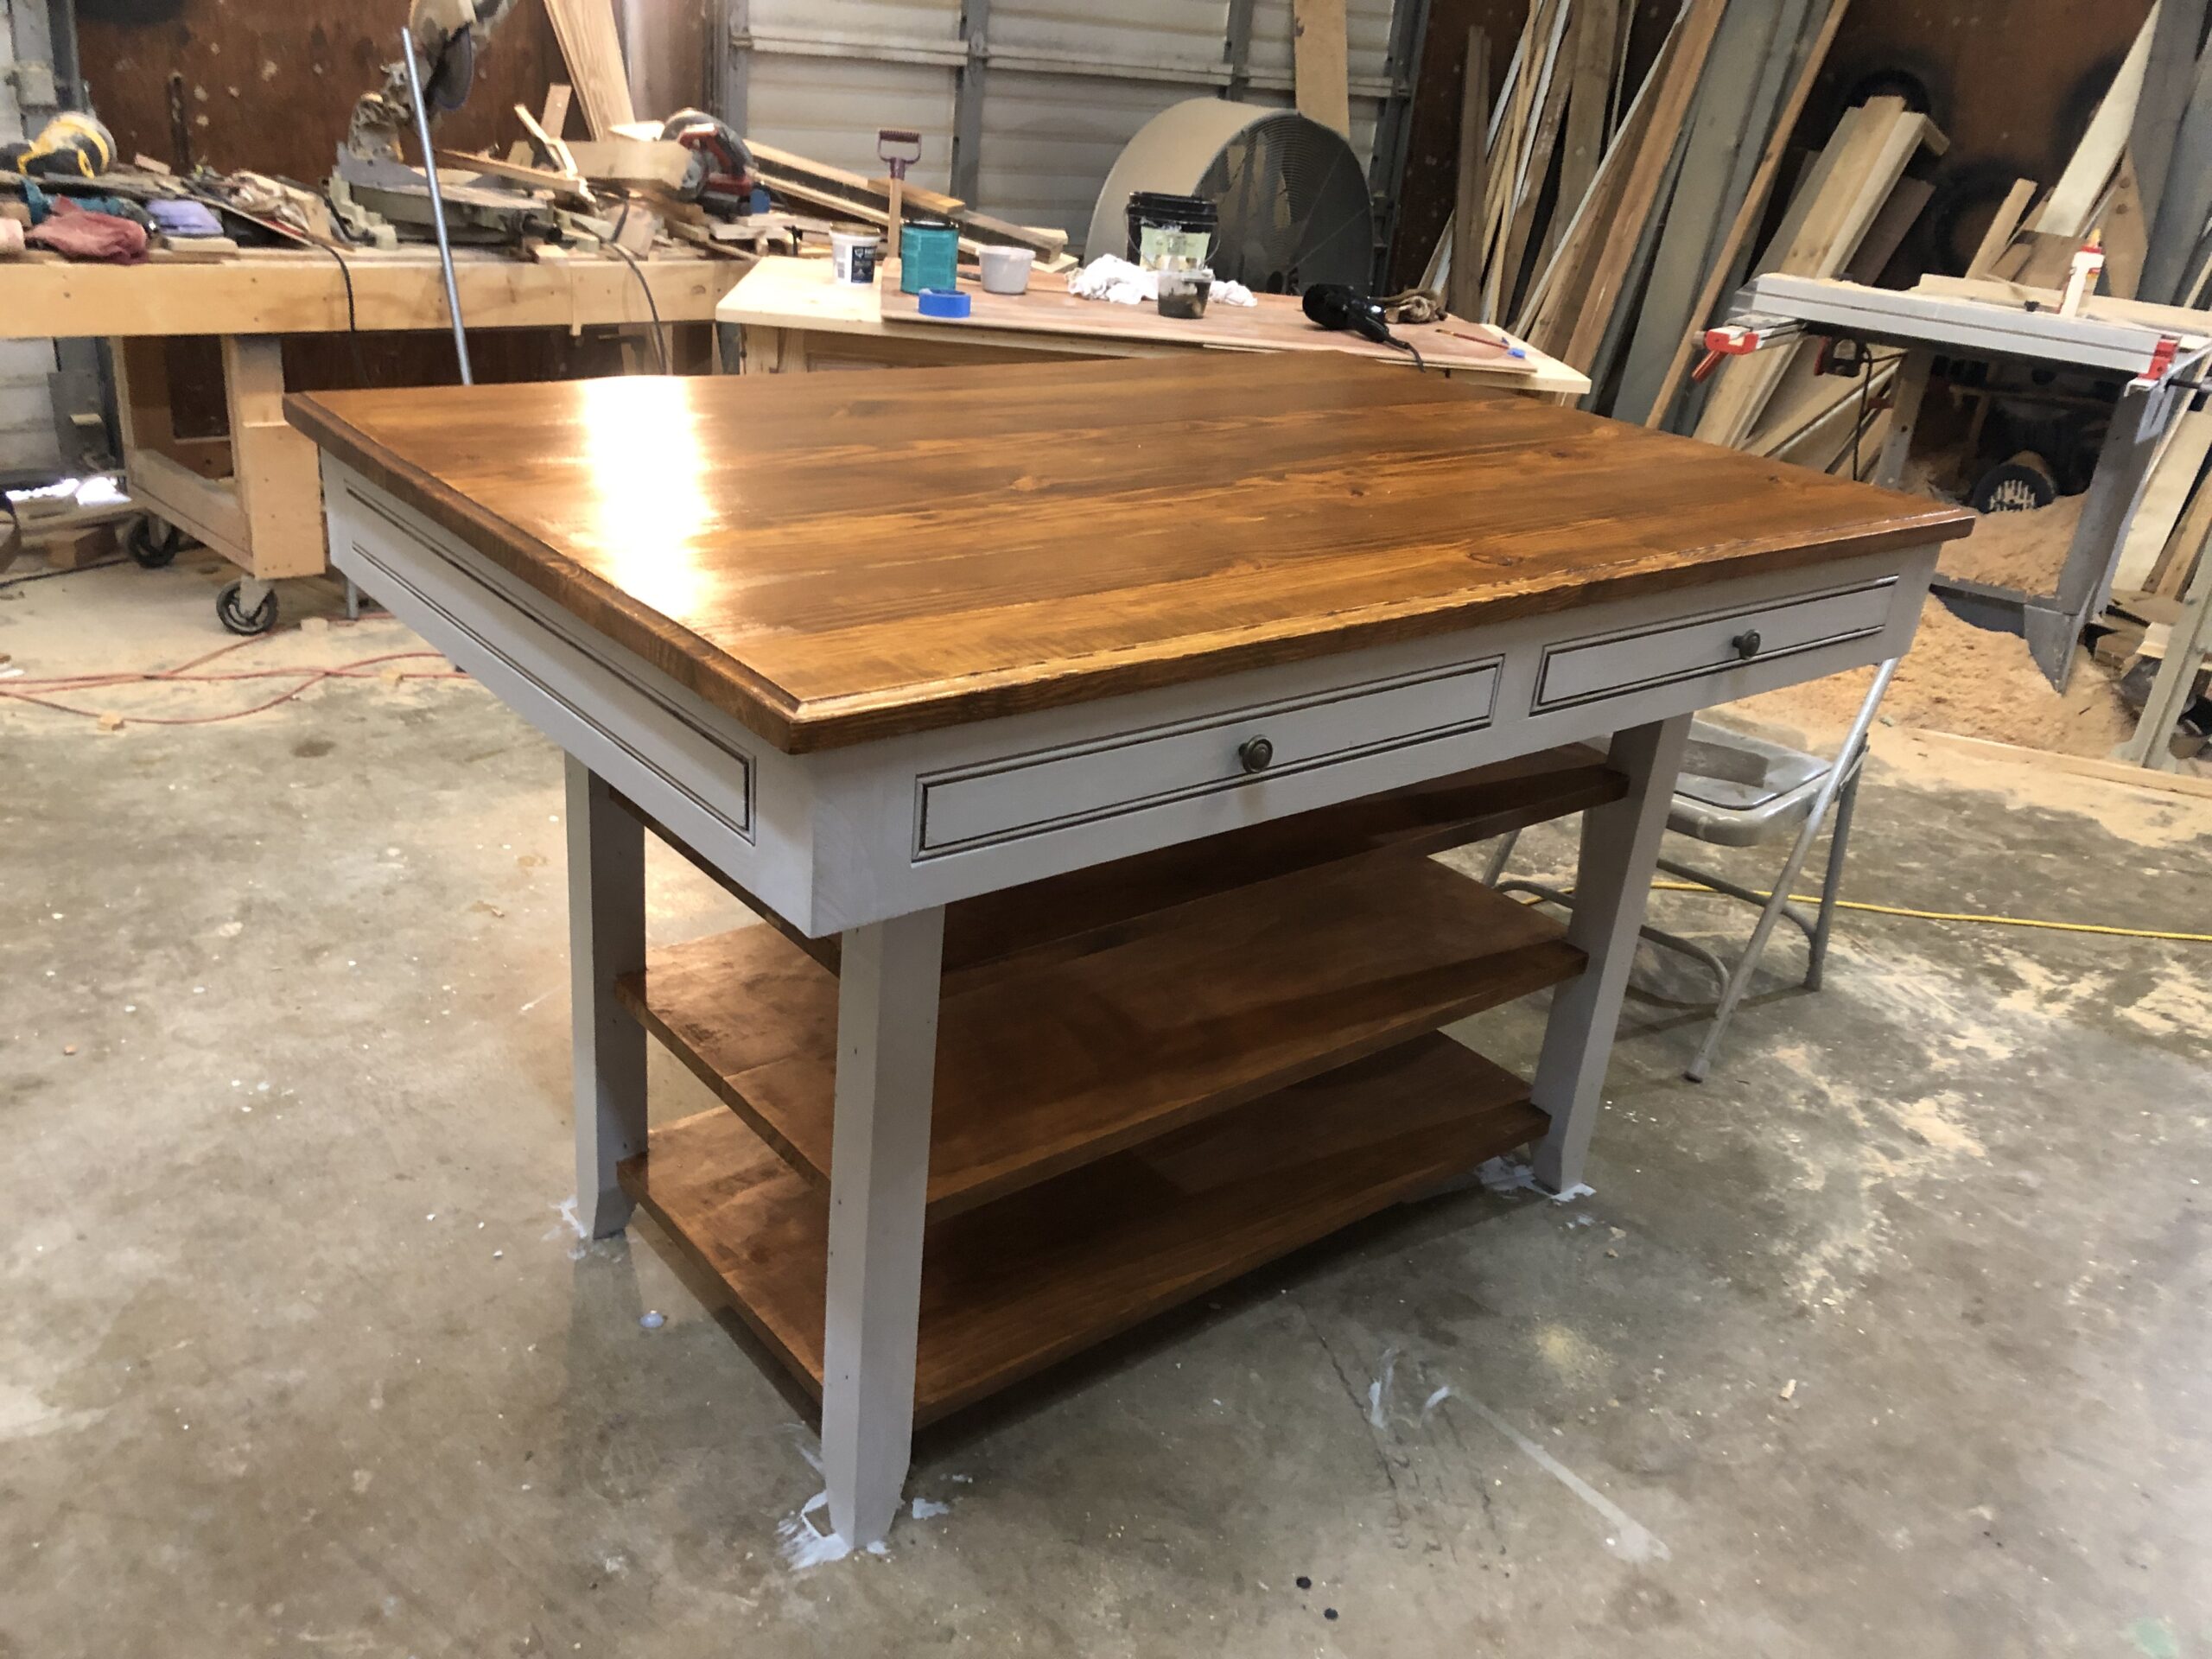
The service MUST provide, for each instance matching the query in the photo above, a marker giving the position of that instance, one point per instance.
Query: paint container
(852, 255)
(1006, 270)
(928, 256)
(1183, 294)
(1166, 229)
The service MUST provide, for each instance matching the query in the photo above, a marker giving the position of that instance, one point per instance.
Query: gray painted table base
(872, 841)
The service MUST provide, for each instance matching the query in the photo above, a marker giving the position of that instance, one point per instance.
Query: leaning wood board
(1008, 1289)
(1045, 1067)
(700, 522)
(584, 30)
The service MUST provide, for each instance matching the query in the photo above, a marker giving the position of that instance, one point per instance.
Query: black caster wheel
(153, 543)
(238, 619)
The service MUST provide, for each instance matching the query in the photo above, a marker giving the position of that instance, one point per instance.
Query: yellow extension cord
(1958, 916)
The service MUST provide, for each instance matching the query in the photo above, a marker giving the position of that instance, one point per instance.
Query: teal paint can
(928, 256)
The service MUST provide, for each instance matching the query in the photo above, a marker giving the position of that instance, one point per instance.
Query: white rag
(1108, 278)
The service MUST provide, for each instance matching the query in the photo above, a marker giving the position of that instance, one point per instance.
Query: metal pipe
(437, 201)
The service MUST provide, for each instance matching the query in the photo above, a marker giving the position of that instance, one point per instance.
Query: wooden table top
(835, 558)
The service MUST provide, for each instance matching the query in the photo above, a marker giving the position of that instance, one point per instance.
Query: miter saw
(447, 34)
(373, 188)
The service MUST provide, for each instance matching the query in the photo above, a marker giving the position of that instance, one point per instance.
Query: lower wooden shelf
(1046, 1063)
(1016, 1285)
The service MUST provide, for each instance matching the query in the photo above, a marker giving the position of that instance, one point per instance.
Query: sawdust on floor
(1965, 680)
(2018, 550)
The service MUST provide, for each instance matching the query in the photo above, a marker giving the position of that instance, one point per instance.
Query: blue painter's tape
(936, 303)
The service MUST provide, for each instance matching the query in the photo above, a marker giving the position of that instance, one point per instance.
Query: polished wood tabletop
(835, 558)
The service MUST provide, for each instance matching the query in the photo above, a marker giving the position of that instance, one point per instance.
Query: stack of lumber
(1603, 222)
(1772, 402)
(2139, 180)
(2035, 235)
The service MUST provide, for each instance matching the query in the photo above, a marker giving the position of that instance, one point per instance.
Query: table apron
(844, 837)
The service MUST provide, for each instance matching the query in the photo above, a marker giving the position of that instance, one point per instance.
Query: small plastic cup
(1006, 270)
(1183, 294)
(852, 255)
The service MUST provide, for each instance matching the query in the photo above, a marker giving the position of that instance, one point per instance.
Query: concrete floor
(1891, 1339)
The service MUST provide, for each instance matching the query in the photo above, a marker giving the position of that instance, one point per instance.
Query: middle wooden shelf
(1049, 1062)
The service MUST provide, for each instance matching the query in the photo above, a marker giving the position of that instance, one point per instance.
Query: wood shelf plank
(1074, 910)
(1015, 1286)
(1045, 1065)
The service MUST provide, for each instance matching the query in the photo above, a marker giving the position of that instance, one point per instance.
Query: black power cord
(352, 317)
(659, 328)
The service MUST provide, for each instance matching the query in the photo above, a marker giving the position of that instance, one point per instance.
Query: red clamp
(1732, 339)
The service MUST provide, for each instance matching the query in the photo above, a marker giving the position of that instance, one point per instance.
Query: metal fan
(1294, 203)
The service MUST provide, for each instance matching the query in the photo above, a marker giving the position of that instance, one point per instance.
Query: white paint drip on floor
(805, 1544)
(1378, 1391)
(569, 1223)
(926, 1509)
(24, 1414)
(1631, 1541)
(1505, 1175)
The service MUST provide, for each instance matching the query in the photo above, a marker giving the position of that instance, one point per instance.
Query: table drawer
(1630, 659)
(1025, 795)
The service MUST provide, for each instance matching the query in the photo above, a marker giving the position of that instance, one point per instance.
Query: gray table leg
(878, 1182)
(2053, 626)
(1907, 393)
(607, 940)
(1620, 843)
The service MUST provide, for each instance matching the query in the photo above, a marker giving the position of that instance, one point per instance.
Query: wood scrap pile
(1603, 222)
(2140, 182)
(1847, 215)
(832, 198)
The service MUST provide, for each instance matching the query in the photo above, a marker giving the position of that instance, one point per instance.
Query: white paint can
(852, 255)
(1006, 270)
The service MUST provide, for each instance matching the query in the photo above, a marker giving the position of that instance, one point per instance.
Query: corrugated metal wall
(1064, 84)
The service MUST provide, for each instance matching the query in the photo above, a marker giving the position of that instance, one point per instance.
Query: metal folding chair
(1737, 791)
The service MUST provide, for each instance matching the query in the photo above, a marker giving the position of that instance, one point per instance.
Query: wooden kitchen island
(1080, 731)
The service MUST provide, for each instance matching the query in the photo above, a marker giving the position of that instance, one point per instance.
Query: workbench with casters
(252, 493)
(1084, 790)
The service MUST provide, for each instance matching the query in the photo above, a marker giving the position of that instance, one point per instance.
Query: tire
(152, 548)
(260, 620)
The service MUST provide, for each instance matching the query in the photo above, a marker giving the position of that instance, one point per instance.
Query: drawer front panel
(1028, 795)
(1632, 659)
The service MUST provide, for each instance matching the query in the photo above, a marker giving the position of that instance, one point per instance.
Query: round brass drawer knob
(1746, 643)
(1255, 754)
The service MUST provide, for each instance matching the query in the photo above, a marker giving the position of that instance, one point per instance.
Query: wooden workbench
(1084, 785)
(793, 315)
(254, 496)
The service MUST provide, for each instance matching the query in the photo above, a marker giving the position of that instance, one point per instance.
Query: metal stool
(1737, 791)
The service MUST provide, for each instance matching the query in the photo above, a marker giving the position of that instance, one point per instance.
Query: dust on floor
(1966, 680)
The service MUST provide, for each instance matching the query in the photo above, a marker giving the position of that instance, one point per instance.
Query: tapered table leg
(1620, 844)
(607, 940)
(878, 1182)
